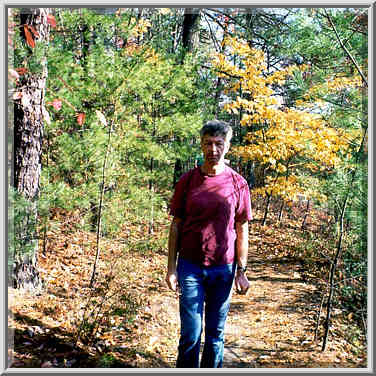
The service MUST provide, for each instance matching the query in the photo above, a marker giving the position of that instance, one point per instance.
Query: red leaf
(32, 29)
(21, 71)
(80, 118)
(29, 37)
(56, 104)
(51, 20)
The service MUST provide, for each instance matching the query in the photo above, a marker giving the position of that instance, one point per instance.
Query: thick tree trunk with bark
(29, 113)
(191, 16)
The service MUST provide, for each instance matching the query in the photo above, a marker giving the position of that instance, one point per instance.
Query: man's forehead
(208, 137)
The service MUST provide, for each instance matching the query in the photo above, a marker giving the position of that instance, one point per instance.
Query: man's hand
(241, 283)
(172, 281)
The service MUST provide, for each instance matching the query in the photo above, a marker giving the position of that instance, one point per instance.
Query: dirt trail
(272, 319)
(273, 326)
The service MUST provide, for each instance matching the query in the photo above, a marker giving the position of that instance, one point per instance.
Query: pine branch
(345, 49)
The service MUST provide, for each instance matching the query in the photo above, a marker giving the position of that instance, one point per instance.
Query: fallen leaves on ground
(129, 318)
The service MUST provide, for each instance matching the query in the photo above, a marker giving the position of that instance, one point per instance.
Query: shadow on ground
(41, 346)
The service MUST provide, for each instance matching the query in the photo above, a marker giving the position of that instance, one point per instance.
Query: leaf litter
(129, 319)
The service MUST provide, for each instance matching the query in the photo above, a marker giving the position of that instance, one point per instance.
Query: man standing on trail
(208, 247)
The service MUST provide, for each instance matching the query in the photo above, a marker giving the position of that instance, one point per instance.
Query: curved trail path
(273, 326)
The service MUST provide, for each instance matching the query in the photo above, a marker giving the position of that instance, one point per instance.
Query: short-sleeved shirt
(209, 206)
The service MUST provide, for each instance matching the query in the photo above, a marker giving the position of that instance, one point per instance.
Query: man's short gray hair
(217, 128)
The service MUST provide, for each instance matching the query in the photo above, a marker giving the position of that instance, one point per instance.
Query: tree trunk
(281, 211)
(29, 113)
(153, 166)
(334, 263)
(100, 206)
(305, 216)
(178, 170)
(332, 275)
(268, 199)
(191, 16)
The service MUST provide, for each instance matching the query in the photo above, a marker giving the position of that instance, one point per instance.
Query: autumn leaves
(31, 33)
(289, 144)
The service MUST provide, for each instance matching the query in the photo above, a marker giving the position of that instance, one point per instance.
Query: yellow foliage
(332, 84)
(141, 28)
(286, 133)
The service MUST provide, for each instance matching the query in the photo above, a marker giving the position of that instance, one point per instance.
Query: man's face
(214, 148)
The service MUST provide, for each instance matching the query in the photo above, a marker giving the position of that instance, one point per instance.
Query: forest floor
(129, 318)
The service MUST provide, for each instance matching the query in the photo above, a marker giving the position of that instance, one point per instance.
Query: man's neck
(212, 170)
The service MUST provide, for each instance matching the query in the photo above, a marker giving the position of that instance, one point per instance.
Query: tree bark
(306, 215)
(268, 199)
(281, 211)
(191, 16)
(332, 276)
(178, 170)
(339, 244)
(29, 114)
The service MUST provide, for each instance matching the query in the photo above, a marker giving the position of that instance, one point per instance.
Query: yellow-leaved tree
(287, 146)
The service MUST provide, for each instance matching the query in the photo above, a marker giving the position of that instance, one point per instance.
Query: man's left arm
(241, 251)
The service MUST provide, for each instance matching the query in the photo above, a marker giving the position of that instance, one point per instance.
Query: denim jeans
(203, 286)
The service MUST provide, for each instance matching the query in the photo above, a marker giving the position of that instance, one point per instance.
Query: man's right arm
(173, 240)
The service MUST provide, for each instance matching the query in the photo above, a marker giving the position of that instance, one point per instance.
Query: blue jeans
(199, 285)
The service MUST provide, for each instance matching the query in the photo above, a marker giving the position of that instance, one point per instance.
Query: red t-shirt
(209, 207)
